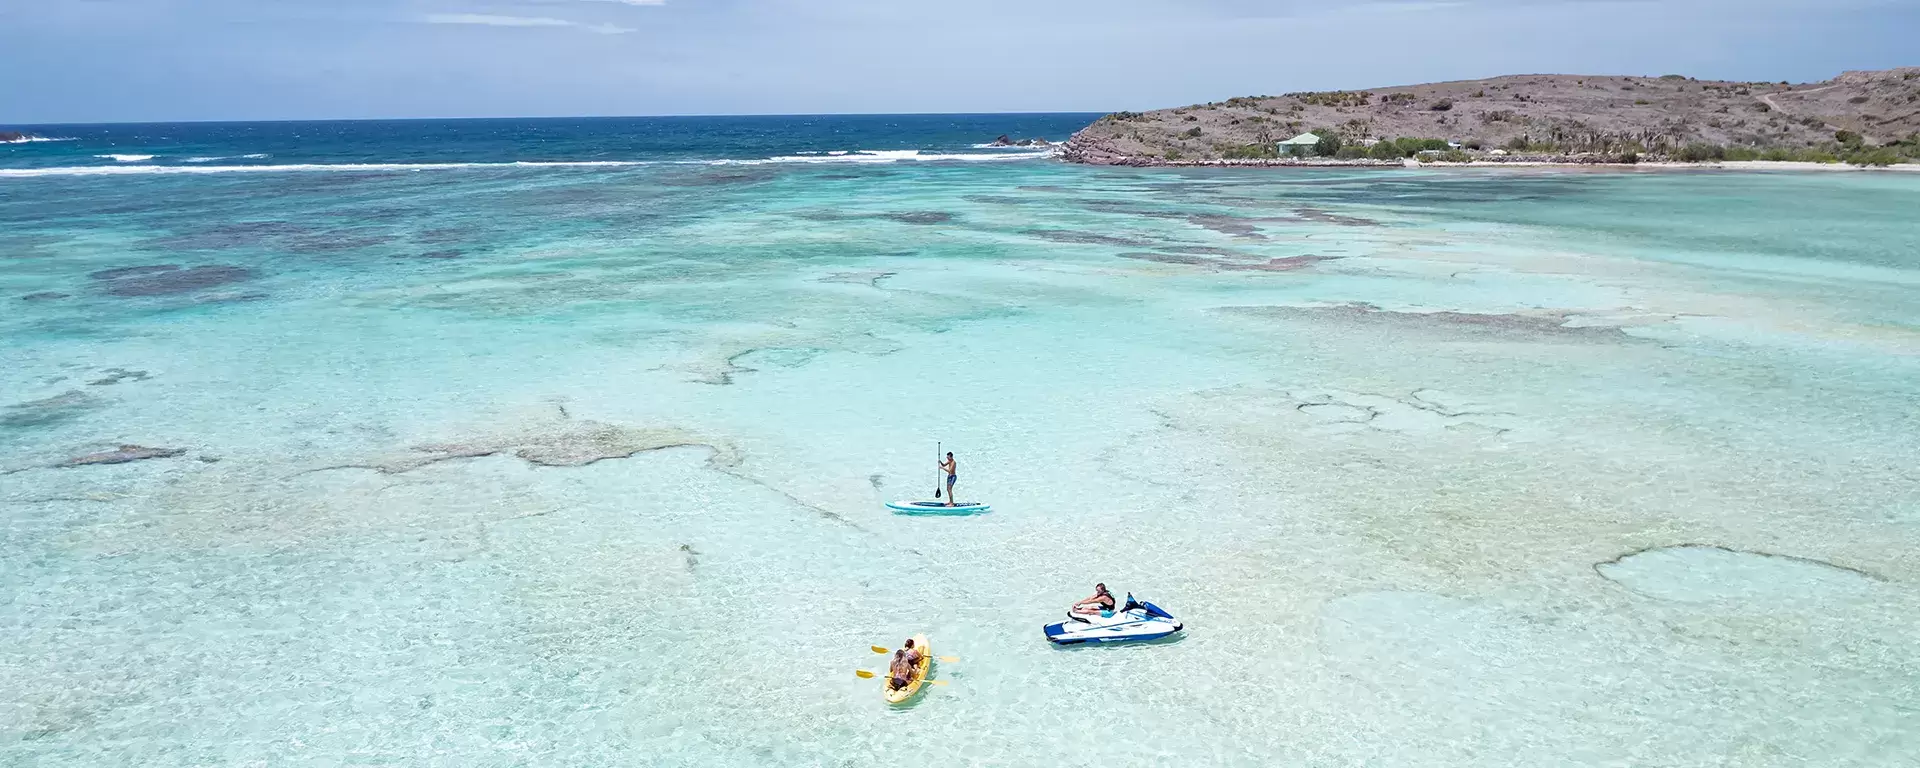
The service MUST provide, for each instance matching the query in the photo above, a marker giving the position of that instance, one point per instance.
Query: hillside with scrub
(1865, 117)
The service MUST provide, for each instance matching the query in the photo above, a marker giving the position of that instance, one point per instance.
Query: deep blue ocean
(534, 140)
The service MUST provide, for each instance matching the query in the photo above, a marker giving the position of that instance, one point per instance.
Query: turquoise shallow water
(585, 465)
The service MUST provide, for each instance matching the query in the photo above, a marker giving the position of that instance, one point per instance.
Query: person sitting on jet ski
(901, 672)
(1102, 600)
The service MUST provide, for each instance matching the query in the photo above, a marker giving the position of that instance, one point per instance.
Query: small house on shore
(1305, 141)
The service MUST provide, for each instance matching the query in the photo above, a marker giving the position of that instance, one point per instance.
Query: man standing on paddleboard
(952, 469)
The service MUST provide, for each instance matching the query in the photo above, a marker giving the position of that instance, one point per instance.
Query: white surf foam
(259, 156)
(139, 170)
(893, 156)
(31, 139)
(193, 167)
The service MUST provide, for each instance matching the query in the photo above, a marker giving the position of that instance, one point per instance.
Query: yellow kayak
(901, 695)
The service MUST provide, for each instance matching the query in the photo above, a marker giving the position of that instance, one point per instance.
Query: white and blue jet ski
(1136, 620)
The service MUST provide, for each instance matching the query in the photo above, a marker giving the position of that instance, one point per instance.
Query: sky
(166, 60)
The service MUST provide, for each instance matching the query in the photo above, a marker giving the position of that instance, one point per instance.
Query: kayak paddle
(947, 659)
(870, 675)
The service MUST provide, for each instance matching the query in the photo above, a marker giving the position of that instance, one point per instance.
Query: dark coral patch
(1288, 264)
(119, 272)
(67, 405)
(1078, 237)
(43, 296)
(1536, 324)
(175, 281)
(1324, 217)
(919, 217)
(122, 455)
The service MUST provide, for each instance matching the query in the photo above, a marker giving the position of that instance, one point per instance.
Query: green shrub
(1329, 144)
(1385, 150)
(1673, 77)
(1251, 152)
(1700, 153)
(1173, 154)
(1629, 158)
(1193, 133)
(1848, 138)
(1776, 154)
(1449, 156)
(1742, 153)
(1351, 152)
(1441, 105)
(1642, 102)
(1879, 157)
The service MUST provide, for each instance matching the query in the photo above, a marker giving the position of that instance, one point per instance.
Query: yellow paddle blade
(878, 649)
(936, 682)
(949, 659)
(863, 673)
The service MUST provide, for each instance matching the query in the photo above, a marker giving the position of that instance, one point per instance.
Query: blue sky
(132, 60)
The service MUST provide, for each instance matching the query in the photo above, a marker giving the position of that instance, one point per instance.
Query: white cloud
(490, 20)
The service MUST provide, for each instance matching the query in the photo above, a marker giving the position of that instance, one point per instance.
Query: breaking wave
(204, 165)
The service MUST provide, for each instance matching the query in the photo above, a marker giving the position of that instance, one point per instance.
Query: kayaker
(901, 672)
(1102, 600)
(913, 654)
(952, 469)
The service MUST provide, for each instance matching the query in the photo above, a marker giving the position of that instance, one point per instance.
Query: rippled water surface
(585, 465)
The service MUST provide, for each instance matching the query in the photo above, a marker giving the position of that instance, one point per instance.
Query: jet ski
(1136, 620)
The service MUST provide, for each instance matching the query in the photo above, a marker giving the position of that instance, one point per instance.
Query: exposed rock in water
(52, 410)
(169, 279)
(122, 455)
(1007, 141)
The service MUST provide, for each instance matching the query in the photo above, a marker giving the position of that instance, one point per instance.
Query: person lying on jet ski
(901, 672)
(1102, 600)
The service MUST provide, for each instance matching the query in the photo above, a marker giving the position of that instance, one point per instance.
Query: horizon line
(545, 117)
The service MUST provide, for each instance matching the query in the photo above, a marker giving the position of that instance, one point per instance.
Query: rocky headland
(1862, 117)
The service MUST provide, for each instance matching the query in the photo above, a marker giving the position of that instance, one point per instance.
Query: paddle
(870, 675)
(937, 457)
(947, 659)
